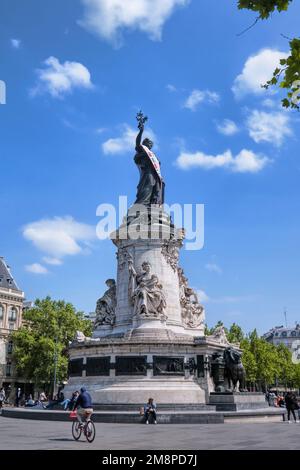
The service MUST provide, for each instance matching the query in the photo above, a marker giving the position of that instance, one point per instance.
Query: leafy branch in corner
(287, 76)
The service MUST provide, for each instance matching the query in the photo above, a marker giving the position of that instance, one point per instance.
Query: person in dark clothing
(150, 409)
(18, 397)
(84, 406)
(58, 399)
(73, 400)
(68, 404)
(291, 405)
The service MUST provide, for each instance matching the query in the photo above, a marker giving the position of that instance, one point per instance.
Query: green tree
(48, 328)
(265, 355)
(249, 361)
(296, 375)
(286, 369)
(287, 76)
(235, 334)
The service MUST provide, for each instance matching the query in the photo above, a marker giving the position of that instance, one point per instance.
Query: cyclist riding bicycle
(84, 406)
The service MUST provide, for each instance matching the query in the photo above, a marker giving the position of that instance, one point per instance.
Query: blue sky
(77, 72)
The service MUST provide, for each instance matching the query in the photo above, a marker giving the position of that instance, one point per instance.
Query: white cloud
(199, 96)
(16, 43)
(245, 162)
(271, 127)
(108, 18)
(268, 103)
(59, 237)
(60, 79)
(52, 261)
(202, 296)
(36, 268)
(227, 127)
(257, 70)
(213, 267)
(125, 142)
(171, 88)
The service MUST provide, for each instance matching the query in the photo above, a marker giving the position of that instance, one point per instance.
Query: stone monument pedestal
(144, 343)
(171, 368)
(232, 401)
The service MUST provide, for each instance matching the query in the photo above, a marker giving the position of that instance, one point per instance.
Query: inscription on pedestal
(75, 367)
(131, 365)
(97, 366)
(168, 365)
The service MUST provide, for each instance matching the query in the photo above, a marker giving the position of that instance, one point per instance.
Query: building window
(11, 326)
(10, 347)
(8, 369)
(1, 312)
(12, 315)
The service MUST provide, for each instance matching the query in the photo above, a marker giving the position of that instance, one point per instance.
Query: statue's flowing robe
(150, 189)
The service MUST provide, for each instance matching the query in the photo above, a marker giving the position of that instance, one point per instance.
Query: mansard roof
(6, 279)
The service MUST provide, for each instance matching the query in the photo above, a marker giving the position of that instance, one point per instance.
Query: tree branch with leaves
(287, 76)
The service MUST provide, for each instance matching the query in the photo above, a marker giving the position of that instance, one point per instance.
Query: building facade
(11, 310)
(289, 336)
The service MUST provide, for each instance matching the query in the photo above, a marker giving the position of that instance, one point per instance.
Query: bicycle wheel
(90, 431)
(76, 430)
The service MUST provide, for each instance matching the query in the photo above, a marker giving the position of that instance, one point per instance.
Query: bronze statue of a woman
(150, 189)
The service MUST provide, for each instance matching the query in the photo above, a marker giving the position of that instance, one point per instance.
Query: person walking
(291, 405)
(150, 410)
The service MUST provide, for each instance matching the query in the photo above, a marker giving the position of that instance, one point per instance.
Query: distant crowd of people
(78, 401)
(42, 402)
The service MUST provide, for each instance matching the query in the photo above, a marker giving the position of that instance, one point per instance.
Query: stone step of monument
(164, 417)
(238, 401)
(161, 407)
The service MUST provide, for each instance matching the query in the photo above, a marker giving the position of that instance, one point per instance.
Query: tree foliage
(48, 328)
(235, 334)
(265, 7)
(287, 76)
(210, 331)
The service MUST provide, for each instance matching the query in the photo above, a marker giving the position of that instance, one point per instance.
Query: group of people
(4, 396)
(288, 401)
(276, 400)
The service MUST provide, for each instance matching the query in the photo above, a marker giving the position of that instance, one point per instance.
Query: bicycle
(88, 429)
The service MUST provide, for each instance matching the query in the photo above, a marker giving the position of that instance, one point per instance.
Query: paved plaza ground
(47, 435)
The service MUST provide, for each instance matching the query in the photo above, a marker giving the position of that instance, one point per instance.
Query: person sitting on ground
(150, 409)
(69, 403)
(73, 400)
(30, 402)
(84, 406)
(57, 401)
